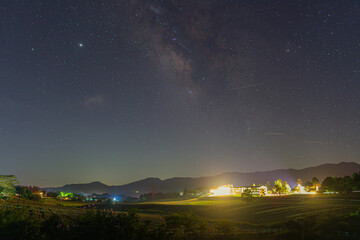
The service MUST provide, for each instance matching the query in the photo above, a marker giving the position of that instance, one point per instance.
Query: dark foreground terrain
(292, 217)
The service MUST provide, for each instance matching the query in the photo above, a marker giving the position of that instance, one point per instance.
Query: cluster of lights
(299, 189)
(226, 190)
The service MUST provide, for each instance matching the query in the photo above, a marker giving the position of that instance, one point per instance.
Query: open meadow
(257, 211)
(43, 209)
(208, 217)
(260, 210)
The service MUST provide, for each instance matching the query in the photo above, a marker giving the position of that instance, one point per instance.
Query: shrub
(184, 224)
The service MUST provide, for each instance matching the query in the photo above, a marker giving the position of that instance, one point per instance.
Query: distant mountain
(93, 187)
(236, 178)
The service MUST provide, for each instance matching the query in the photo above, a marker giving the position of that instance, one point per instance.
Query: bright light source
(221, 191)
(114, 199)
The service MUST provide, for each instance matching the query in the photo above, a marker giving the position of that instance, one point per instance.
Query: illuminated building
(229, 189)
(255, 190)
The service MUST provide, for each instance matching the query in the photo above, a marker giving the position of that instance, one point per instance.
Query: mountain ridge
(176, 184)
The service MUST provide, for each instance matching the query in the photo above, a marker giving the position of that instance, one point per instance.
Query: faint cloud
(316, 142)
(97, 100)
(274, 133)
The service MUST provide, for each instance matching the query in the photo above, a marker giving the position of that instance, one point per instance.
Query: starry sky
(121, 90)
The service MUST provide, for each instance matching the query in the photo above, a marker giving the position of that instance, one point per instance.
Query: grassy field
(324, 216)
(259, 211)
(262, 210)
(66, 209)
(44, 208)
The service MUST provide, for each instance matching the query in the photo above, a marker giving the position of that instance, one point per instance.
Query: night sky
(121, 90)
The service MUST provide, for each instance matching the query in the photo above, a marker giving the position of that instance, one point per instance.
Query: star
(81, 45)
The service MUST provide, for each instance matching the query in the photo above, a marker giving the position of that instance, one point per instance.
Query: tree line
(345, 184)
